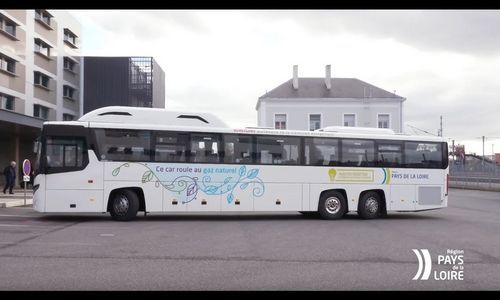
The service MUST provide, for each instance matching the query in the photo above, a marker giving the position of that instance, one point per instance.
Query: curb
(15, 203)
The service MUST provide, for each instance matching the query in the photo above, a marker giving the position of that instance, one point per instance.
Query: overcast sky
(443, 62)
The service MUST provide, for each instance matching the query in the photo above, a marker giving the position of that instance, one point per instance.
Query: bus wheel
(332, 205)
(370, 206)
(124, 205)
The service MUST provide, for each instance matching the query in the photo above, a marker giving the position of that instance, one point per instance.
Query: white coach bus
(123, 160)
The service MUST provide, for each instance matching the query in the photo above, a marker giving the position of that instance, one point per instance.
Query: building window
(42, 48)
(7, 101)
(69, 64)
(7, 64)
(43, 16)
(7, 25)
(68, 92)
(383, 121)
(70, 37)
(41, 112)
(314, 122)
(140, 81)
(68, 117)
(350, 120)
(41, 79)
(280, 121)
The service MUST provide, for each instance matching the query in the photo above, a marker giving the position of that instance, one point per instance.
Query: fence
(475, 173)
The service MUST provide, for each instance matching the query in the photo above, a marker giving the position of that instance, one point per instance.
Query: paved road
(249, 252)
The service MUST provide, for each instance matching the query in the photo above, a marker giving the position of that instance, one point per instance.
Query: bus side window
(277, 150)
(205, 148)
(321, 151)
(124, 144)
(423, 155)
(359, 153)
(170, 147)
(389, 154)
(237, 149)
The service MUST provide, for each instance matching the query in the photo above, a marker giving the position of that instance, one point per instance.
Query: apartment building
(40, 76)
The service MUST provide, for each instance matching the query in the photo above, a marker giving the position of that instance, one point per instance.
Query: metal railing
(475, 173)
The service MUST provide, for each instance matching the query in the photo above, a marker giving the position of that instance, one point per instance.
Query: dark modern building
(124, 81)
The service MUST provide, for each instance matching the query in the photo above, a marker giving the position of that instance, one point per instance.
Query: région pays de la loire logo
(450, 265)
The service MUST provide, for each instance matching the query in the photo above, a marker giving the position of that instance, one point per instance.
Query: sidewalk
(17, 199)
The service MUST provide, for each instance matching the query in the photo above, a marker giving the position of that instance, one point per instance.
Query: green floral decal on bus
(190, 185)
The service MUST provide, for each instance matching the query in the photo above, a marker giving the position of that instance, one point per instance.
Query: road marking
(107, 234)
(11, 225)
(55, 243)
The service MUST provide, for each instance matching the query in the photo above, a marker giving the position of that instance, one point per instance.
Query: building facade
(313, 103)
(124, 81)
(39, 76)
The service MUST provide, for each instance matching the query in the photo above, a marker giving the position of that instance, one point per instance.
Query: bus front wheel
(332, 205)
(124, 205)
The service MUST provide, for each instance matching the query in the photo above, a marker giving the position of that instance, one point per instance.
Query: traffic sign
(26, 167)
(26, 177)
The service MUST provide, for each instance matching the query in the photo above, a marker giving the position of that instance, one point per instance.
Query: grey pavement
(249, 251)
(16, 199)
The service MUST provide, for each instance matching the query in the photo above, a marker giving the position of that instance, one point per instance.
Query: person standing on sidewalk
(10, 177)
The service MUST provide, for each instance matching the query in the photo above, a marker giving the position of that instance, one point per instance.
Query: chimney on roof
(296, 77)
(328, 76)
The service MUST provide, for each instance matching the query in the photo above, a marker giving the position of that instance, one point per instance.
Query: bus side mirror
(36, 146)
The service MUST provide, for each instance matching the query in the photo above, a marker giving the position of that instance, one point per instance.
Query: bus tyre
(124, 205)
(332, 205)
(370, 206)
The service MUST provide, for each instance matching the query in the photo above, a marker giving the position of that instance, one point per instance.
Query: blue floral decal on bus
(191, 185)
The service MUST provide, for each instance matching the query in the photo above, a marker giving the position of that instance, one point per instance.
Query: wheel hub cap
(332, 205)
(371, 205)
(121, 205)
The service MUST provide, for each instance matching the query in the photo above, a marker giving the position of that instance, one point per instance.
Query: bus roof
(121, 117)
(153, 116)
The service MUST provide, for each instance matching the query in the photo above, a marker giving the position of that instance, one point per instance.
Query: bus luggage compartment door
(402, 198)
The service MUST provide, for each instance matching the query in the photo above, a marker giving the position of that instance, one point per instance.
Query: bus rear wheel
(124, 205)
(370, 206)
(332, 205)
